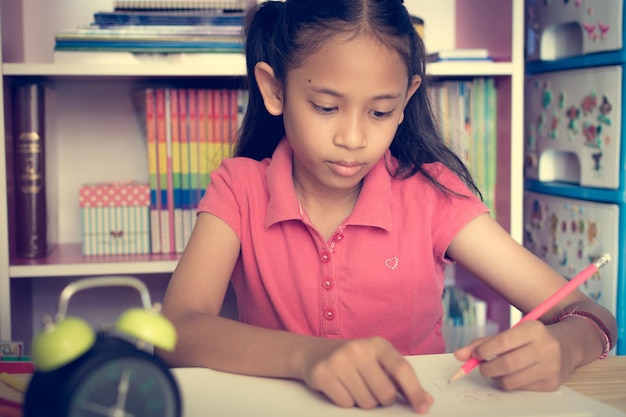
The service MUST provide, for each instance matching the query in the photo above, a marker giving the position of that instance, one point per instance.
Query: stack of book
(467, 111)
(188, 132)
(476, 54)
(157, 28)
(464, 318)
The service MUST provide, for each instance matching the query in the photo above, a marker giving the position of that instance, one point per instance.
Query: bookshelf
(97, 130)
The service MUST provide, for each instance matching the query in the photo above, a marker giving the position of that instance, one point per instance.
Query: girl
(337, 216)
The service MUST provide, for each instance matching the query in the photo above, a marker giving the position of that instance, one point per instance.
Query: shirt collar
(372, 207)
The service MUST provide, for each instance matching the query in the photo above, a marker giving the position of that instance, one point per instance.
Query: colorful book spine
(193, 147)
(469, 126)
(149, 115)
(161, 130)
(213, 132)
(183, 116)
(242, 99)
(179, 244)
(225, 113)
(233, 113)
(492, 143)
(215, 139)
(204, 107)
(168, 212)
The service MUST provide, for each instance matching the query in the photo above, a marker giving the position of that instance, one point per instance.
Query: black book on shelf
(35, 228)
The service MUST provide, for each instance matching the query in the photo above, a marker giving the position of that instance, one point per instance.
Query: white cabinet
(98, 137)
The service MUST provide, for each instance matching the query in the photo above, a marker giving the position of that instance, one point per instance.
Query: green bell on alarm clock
(61, 343)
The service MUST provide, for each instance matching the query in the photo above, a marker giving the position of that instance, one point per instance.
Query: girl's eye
(382, 114)
(323, 109)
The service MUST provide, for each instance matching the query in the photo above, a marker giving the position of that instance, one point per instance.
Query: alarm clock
(81, 372)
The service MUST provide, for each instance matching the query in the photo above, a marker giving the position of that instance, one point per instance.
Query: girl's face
(341, 110)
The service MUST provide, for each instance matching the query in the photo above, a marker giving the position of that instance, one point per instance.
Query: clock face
(126, 386)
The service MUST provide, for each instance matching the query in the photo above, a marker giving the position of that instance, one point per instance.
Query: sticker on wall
(605, 109)
(573, 114)
(604, 30)
(589, 103)
(569, 234)
(547, 97)
(592, 135)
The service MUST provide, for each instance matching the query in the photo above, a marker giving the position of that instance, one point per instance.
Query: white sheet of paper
(207, 392)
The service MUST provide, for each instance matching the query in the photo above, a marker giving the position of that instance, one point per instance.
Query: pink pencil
(540, 310)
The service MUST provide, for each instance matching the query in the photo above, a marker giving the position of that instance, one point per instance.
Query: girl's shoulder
(438, 169)
(443, 175)
(242, 167)
(439, 172)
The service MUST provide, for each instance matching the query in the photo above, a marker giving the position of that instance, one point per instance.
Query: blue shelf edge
(615, 196)
(577, 62)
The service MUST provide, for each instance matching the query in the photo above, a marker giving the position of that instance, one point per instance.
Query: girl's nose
(351, 135)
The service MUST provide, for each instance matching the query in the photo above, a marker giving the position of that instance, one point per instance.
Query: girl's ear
(271, 89)
(413, 87)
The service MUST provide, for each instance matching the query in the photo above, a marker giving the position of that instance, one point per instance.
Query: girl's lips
(345, 169)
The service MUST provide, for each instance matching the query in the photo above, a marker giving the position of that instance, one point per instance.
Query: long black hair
(283, 34)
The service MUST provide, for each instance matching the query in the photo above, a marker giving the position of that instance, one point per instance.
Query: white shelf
(67, 260)
(89, 269)
(469, 69)
(226, 65)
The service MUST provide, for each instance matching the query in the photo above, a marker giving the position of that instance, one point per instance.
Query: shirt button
(329, 314)
(327, 283)
(325, 257)
(339, 237)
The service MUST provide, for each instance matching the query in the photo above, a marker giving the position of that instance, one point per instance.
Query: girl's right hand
(363, 372)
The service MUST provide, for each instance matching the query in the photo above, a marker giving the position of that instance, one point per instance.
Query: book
(145, 103)
(194, 174)
(177, 186)
(187, 211)
(35, 191)
(464, 318)
(218, 6)
(156, 32)
(167, 215)
(205, 108)
(212, 129)
(233, 117)
(161, 141)
(143, 58)
(151, 39)
(150, 46)
(459, 55)
(174, 18)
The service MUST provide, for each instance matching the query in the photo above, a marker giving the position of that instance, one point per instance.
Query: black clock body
(112, 378)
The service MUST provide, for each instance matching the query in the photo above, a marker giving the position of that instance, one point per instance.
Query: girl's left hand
(529, 356)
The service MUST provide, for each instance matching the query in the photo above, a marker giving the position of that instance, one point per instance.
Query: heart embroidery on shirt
(391, 263)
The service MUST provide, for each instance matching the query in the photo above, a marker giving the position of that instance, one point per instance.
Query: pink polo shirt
(380, 274)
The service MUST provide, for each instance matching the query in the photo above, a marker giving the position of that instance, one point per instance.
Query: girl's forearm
(235, 347)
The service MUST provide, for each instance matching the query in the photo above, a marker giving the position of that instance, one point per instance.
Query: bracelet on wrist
(596, 323)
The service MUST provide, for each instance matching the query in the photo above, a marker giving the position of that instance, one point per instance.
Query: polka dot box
(115, 218)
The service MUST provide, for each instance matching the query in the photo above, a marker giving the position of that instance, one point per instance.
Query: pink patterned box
(116, 218)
